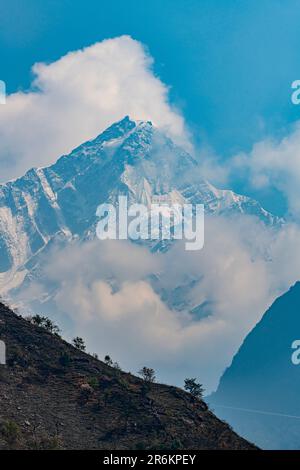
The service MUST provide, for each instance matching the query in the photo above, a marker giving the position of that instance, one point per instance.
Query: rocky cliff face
(54, 396)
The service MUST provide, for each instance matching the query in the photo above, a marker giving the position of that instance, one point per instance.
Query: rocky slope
(54, 396)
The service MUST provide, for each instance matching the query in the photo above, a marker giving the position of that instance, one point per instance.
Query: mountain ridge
(258, 392)
(58, 397)
(60, 201)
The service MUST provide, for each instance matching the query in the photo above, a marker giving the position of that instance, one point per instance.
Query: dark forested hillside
(54, 396)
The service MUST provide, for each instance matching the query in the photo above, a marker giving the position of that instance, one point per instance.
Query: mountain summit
(59, 203)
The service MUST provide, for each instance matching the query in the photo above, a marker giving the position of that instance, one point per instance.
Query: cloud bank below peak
(77, 97)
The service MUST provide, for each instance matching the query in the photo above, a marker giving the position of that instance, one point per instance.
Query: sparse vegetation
(109, 362)
(10, 432)
(46, 323)
(147, 374)
(79, 343)
(56, 397)
(93, 382)
(194, 388)
(45, 443)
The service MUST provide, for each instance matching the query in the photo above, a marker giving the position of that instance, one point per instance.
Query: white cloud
(274, 163)
(77, 97)
(105, 294)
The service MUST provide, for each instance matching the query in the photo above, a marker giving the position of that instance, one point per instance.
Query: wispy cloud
(274, 163)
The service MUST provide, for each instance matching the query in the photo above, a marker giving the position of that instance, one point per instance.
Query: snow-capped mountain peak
(59, 202)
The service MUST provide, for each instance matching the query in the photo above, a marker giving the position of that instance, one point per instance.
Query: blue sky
(230, 64)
